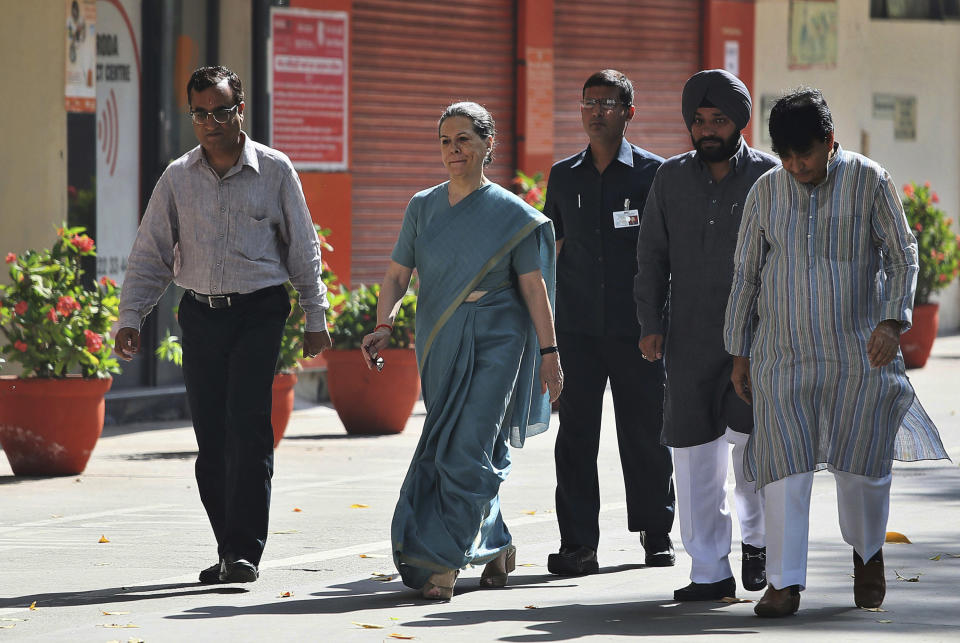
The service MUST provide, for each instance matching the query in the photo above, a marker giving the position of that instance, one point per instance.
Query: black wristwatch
(548, 349)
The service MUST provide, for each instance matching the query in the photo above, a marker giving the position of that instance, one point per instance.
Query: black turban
(717, 88)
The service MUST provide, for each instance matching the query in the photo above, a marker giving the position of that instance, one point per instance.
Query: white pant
(705, 523)
(863, 504)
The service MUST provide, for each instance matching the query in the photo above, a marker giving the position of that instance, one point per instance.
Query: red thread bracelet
(387, 326)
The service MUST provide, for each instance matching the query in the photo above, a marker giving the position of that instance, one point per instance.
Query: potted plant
(368, 401)
(291, 350)
(532, 189)
(57, 330)
(938, 250)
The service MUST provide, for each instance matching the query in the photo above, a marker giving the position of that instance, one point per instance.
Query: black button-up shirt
(598, 261)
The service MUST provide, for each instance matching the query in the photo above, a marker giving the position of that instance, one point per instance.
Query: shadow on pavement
(118, 595)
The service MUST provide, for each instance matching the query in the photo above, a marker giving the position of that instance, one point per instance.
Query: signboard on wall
(118, 133)
(308, 70)
(80, 89)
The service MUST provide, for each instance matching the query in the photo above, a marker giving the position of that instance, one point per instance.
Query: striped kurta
(816, 269)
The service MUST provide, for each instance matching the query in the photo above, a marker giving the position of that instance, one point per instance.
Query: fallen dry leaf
(383, 578)
(733, 599)
(357, 505)
(935, 557)
(954, 555)
(530, 607)
(7, 627)
(33, 605)
(285, 595)
(910, 579)
(530, 513)
(405, 637)
(287, 531)
(297, 509)
(103, 539)
(527, 565)
(56, 516)
(897, 538)
(117, 626)
(114, 613)
(873, 609)
(14, 619)
(367, 626)
(372, 556)
(886, 620)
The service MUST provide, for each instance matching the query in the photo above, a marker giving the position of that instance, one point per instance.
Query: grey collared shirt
(245, 231)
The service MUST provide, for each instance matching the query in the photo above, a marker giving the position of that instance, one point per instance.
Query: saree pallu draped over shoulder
(479, 367)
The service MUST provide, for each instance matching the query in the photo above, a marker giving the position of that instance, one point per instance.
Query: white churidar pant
(863, 504)
(705, 523)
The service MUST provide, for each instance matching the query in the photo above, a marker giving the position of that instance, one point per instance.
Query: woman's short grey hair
(481, 119)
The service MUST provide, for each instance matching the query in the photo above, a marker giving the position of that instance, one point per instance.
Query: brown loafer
(869, 584)
(778, 602)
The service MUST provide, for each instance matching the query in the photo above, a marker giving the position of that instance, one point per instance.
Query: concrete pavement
(329, 542)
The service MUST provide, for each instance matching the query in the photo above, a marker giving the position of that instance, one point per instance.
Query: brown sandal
(439, 587)
(495, 573)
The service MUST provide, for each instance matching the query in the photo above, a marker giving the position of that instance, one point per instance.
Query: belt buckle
(218, 301)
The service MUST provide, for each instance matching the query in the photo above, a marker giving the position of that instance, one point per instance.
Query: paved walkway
(329, 543)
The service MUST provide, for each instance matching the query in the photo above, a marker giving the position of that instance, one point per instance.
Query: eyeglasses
(606, 104)
(221, 115)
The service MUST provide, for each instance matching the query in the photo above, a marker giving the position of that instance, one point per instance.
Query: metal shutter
(410, 59)
(656, 43)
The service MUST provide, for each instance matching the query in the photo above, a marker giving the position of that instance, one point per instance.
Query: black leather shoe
(211, 574)
(707, 591)
(238, 571)
(869, 584)
(778, 602)
(753, 570)
(573, 561)
(658, 548)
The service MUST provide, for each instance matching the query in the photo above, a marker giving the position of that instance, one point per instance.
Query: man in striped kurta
(824, 276)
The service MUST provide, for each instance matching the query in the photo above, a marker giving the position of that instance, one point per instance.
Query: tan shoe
(869, 584)
(778, 602)
(439, 587)
(495, 573)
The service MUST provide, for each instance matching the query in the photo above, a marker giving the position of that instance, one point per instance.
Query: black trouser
(637, 387)
(229, 358)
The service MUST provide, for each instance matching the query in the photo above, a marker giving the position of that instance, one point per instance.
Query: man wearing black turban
(688, 233)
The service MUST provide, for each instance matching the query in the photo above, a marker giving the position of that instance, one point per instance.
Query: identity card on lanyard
(626, 218)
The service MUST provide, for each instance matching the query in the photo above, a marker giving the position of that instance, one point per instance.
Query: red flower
(944, 277)
(908, 190)
(94, 341)
(933, 254)
(918, 227)
(21, 307)
(935, 198)
(82, 243)
(65, 305)
(106, 281)
(71, 192)
(11, 257)
(52, 316)
(20, 346)
(533, 195)
(926, 184)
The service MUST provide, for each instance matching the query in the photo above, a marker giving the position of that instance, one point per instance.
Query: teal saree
(479, 365)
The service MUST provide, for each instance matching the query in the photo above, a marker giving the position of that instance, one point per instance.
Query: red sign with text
(308, 88)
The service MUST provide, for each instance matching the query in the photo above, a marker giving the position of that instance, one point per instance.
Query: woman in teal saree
(487, 355)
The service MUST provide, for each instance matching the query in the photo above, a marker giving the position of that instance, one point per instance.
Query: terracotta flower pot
(369, 402)
(48, 427)
(283, 399)
(917, 342)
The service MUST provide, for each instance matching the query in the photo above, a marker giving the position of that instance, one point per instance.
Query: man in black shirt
(594, 199)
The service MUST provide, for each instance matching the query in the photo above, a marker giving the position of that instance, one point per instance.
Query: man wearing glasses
(595, 199)
(228, 222)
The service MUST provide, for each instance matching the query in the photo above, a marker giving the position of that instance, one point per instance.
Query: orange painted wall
(534, 127)
(726, 20)
(329, 194)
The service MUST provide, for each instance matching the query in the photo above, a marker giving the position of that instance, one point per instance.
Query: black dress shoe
(707, 591)
(778, 602)
(753, 570)
(573, 561)
(211, 574)
(869, 585)
(238, 571)
(658, 548)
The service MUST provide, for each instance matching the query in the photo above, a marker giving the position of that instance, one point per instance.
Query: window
(915, 9)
